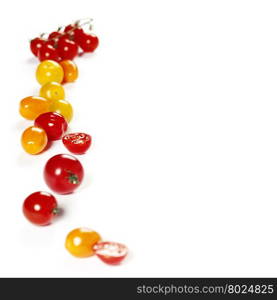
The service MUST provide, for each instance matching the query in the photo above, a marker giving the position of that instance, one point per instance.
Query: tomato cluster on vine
(64, 44)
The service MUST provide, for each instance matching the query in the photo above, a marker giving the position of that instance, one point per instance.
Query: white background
(181, 101)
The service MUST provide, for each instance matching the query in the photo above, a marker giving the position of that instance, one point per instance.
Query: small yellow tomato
(49, 70)
(63, 108)
(34, 140)
(52, 91)
(79, 242)
(70, 70)
(31, 107)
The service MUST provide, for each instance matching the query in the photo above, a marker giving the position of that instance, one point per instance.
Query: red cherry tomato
(74, 32)
(68, 28)
(110, 252)
(64, 37)
(53, 123)
(67, 49)
(63, 173)
(77, 143)
(69, 32)
(77, 34)
(48, 52)
(40, 208)
(51, 43)
(55, 35)
(88, 42)
(36, 44)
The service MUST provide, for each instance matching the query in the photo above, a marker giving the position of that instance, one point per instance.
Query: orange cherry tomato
(79, 242)
(31, 107)
(70, 70)
(34, 140)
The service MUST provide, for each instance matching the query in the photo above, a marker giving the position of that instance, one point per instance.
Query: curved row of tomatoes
(51, 113)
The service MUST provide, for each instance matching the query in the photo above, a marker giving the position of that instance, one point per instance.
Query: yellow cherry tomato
(31, 107)
(70, 70)
(49, 70)
(52, 91)
(64, 108)
(34, 140)
(79, 242)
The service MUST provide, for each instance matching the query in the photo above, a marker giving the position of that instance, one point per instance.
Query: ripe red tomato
(69, 32)
(51, 42)
(36, 44)
(77, 143)
(40, 208)
(67, 49)
(77, 34)
(63, 173)
(69, 27)
(64, 37)
(48, 52)
(110, 252)
(53, 123)
(88, 42)
(55, 35)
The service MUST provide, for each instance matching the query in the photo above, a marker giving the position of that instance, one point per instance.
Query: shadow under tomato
(32, 60)
(87, 181)
(60, 214)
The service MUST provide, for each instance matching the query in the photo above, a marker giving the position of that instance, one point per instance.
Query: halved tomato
(110, 252)
(77, 143)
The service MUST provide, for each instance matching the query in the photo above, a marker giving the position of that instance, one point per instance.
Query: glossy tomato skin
(63, 173)
(70, 70)
(80, 242)
(31, 107)
(67, 49)
(77, 143)
(34, 140)
(53, 123)
(74, 32)
(110, 252)
(48, 71)
(48, 52)
(64, 108)
(69, 28)
(40, 208)
(68, 32)
(88, 42)
(52, 91)
(36, 44)
(54, 36)
(77, 34)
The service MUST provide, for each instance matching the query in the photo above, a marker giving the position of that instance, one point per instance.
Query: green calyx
(56, 211)
(73, 178)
